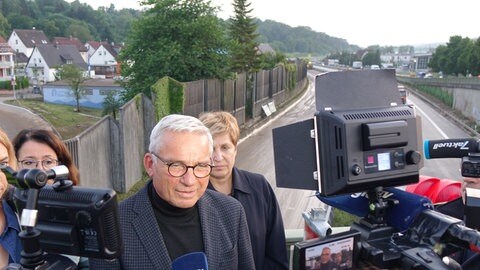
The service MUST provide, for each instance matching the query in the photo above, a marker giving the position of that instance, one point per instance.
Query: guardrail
(449, 82)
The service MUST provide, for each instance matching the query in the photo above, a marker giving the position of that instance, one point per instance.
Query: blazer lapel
(210, 238)
(145, 226)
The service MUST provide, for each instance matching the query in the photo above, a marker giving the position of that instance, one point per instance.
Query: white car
(374, 67)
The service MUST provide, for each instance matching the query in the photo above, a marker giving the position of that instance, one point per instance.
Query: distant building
(102, 58)
(73, 41)
(397, 59)
(7, 65)
(24, 41)
(45, 60)
(21, 61)
(265, 48)
(420, 61)
(94, 92)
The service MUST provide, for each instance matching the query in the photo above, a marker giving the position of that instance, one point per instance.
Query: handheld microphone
(191, 261)
(450, 148)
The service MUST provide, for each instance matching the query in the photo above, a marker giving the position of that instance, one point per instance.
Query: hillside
(300, 40)
(58, 18)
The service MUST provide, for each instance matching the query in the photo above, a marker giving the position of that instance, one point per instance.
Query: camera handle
(33, 256)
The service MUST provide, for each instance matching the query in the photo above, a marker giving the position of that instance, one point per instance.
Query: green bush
(440, 94)
(168, 96)
(342, 218)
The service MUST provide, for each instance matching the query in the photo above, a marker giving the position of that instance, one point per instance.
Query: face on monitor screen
(334, 252)
(333, 255)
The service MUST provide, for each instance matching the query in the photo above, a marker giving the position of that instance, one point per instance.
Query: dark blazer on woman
(264, 218)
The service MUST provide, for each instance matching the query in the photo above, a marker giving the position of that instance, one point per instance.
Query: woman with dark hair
(42, 149)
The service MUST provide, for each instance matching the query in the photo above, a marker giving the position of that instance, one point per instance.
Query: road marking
(430, 120)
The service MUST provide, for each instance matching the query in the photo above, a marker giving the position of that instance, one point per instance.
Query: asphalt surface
(13, 118)
(255, 154)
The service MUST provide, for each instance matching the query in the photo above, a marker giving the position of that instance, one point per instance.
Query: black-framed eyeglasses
(178, 169)
(30, 163)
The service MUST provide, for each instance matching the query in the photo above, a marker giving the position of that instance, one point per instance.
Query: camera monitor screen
(76, 221)
(337, 251)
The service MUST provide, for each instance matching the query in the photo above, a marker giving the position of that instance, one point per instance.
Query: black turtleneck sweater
(180, 227)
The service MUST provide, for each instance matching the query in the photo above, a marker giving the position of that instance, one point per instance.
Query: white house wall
(102, 57)
(17, 44)
(7, 64)
(36, 58)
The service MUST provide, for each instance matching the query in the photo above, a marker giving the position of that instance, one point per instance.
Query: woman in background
(252, 190)
(42, 149)
(10, 245)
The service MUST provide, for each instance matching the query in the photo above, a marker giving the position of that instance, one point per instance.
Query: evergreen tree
(243, 32)
(111, 105)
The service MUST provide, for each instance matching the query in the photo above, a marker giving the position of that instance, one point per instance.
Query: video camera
(362, 143)
(62, 218)
(468, 149)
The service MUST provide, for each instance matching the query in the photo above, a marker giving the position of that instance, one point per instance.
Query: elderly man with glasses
(175, 214)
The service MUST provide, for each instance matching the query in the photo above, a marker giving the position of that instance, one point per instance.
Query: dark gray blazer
(225, 235)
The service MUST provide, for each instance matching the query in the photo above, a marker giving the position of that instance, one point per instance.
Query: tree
(4, 26)
(438, 60)
(459, 56)
(453, 53)
(243, 30)
(181, 39)
(476, 58)
(74, 76)
(270, 60)
(464, 63)
(372, 58)
(111, 104)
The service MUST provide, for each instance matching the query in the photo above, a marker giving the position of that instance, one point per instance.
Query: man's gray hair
(177, 123)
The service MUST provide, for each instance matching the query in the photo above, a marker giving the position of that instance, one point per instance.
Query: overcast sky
(361, 22)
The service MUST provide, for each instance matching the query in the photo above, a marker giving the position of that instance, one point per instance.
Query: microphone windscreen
(399, 216)
(189, 261)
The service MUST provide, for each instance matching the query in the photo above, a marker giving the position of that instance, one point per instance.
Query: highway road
(255, 153)
(437, 127)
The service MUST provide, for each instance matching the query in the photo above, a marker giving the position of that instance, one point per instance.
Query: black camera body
(62, 219)
(78, 221)
(471, 165)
